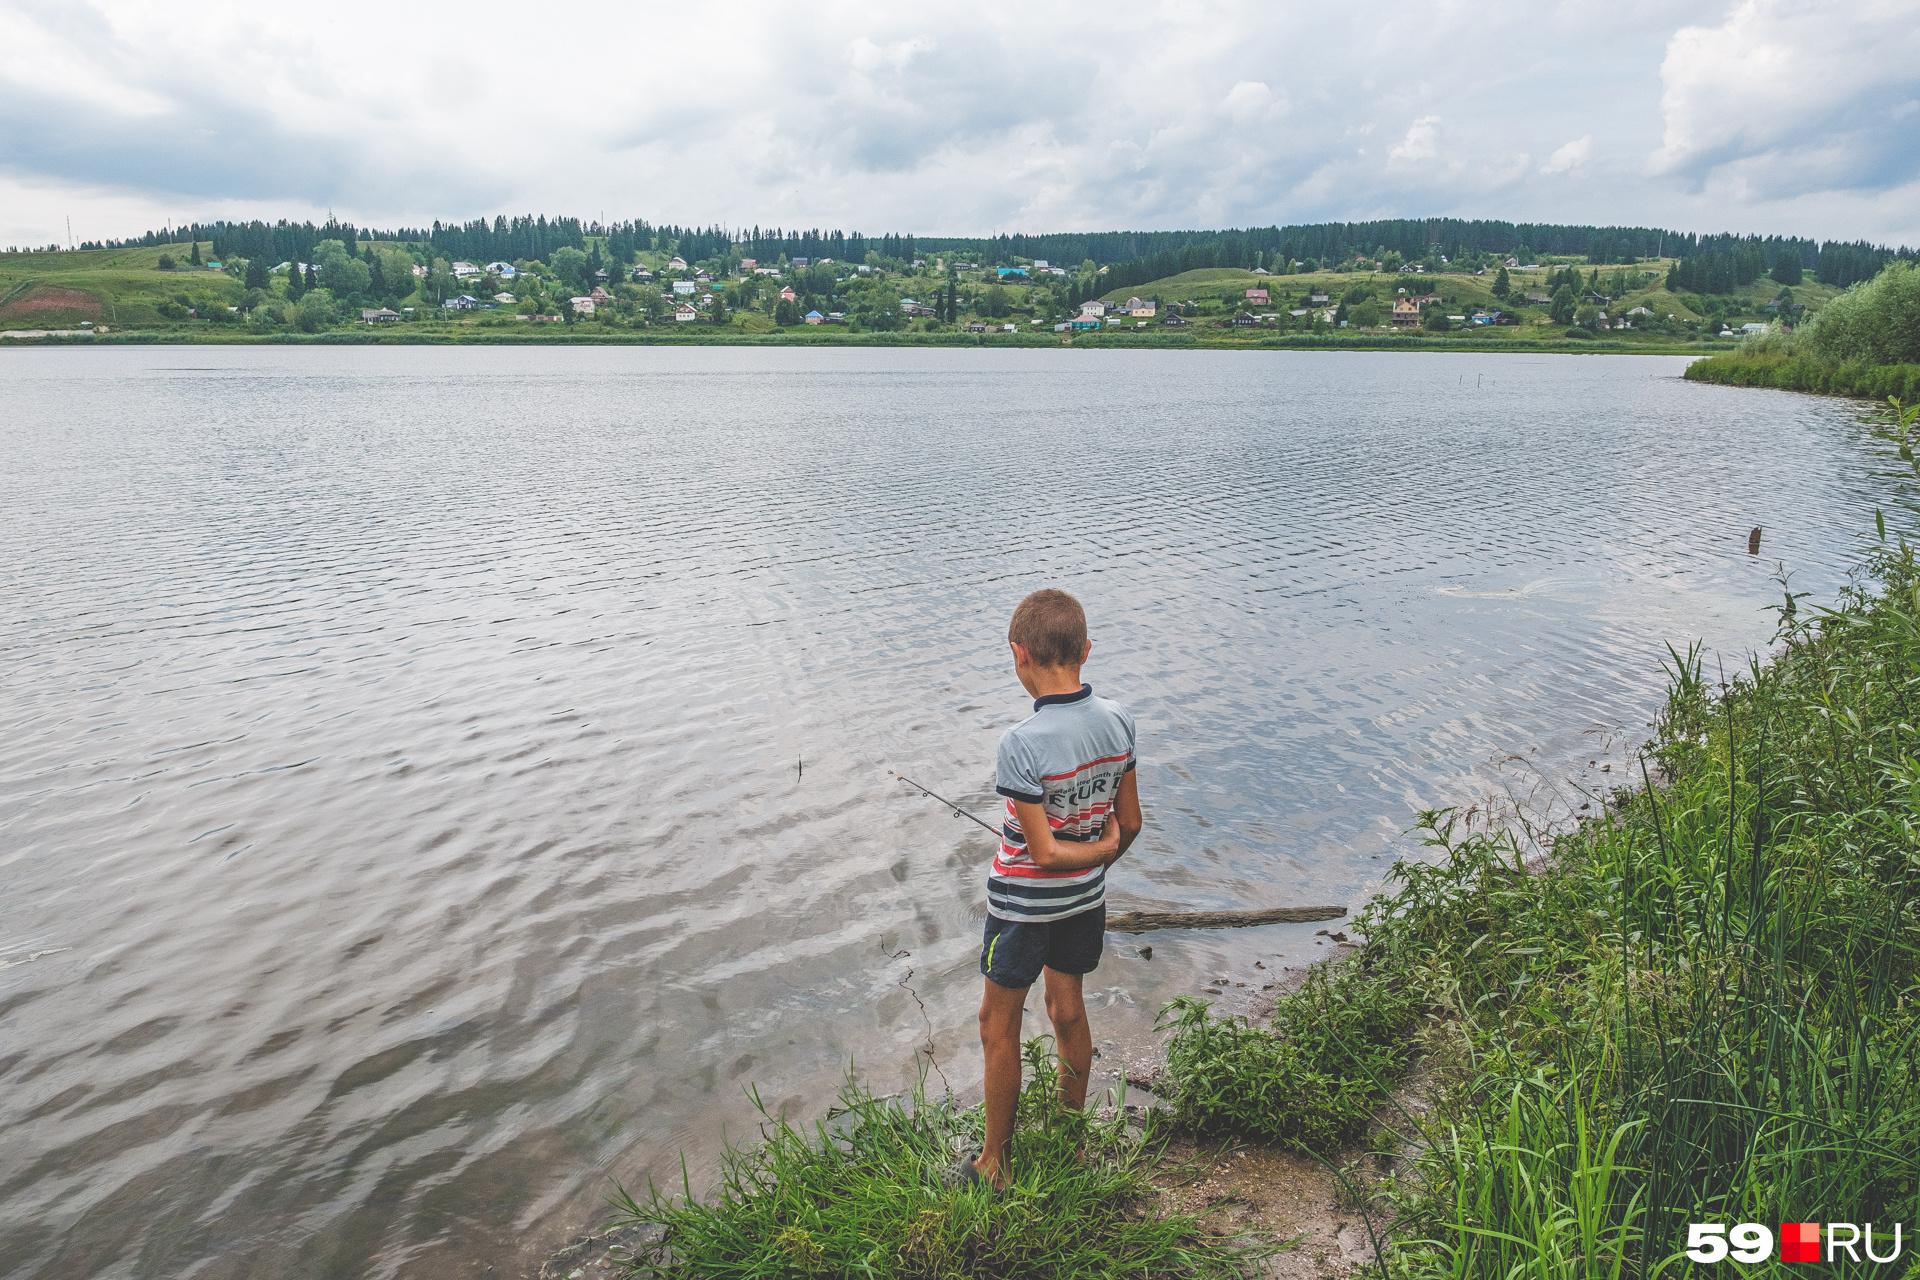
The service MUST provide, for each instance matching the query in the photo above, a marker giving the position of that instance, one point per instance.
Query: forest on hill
(1713, 263)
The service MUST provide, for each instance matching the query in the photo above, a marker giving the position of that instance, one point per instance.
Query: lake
(436, 781)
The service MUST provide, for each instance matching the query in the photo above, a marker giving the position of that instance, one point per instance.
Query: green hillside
(117, 288)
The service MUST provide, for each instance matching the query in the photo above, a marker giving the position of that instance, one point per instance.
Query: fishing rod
(943, 800)
(1141, 921)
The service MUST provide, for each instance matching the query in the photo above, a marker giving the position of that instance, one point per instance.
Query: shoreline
(965, 341)
(1489, 1083)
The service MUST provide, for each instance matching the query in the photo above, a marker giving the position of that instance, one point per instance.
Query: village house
(1315, 299)
(582, 306)
(702, 276)
(1539, 299)
(748, 264)
(1406, 312)
(466, 271)
(641, 275)
(798, 264)
(814, 317)
(379, 316)
(1093, 307)
(1257, 295)
(684, 286)
(504, 297)
(465, 302)
(676, 263)
(600, 296)
(1086, 320)
(1174, 322)
(685, 312)
(502, 269)
(787, 294)
(1140, 307)
(1243, 319)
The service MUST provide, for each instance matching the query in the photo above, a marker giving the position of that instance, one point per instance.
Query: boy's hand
(1124, 820)
(1063, 855)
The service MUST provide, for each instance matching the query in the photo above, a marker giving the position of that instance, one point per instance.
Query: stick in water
(942, 799)
(1141, 921)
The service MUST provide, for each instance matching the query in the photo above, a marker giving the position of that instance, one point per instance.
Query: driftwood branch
(1141, 921)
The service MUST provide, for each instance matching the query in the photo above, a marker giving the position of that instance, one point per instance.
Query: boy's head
(1049, 629)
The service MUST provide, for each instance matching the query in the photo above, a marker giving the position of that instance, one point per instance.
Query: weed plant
(860, 1195)
(1313, 1081)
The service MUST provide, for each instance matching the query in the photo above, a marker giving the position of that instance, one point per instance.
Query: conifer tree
(257, 273)
(194, 257)
(1501, 285)
(296, 283)
(313, 277)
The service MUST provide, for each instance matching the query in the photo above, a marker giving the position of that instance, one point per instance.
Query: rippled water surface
(435, 781)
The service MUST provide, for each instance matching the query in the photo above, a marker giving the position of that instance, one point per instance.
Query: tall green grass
(1706, 1007)
(859, 1195)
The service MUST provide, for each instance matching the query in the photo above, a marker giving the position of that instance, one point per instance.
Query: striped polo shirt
(1067, 757)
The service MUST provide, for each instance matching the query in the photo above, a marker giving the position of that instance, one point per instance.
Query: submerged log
(1141, 921)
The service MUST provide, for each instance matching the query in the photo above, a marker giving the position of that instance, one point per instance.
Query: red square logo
(1799, 1242)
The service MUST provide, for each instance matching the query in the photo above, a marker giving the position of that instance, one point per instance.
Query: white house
(582, 306)
(685, 312)
(502, 269)
(676, 263)
(684, 286)
(466, 270)
(1093, 307)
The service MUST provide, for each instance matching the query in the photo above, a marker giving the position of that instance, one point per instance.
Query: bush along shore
(1702, 1008)
(1866, 342)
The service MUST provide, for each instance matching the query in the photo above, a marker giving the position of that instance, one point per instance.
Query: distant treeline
(1723, 267)
(1133, 257)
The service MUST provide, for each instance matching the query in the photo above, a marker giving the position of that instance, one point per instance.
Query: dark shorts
(1013, 952)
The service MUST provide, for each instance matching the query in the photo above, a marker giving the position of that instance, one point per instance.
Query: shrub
(1875, 322)
(166, 262)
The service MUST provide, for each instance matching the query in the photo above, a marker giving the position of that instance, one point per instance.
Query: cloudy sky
(1766, 115)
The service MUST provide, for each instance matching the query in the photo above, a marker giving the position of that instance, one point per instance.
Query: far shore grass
(426, 334)
(124, 292)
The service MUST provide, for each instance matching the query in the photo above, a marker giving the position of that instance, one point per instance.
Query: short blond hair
(1052, 627)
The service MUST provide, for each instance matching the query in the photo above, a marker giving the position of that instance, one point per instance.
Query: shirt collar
(1061, 699)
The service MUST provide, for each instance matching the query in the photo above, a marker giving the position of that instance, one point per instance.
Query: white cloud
(998, 116)
(1785, 99)
(1565, 158)
(1418, 144)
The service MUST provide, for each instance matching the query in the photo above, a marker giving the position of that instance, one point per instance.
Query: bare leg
(1072, 1038)
(1000, 1015)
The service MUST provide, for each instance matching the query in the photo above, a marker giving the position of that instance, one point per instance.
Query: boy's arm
(1063, 855)
(1126, 807)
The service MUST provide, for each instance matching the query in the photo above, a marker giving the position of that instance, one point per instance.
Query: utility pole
(69, 233)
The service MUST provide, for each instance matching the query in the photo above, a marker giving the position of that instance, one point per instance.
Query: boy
(1073, 807)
